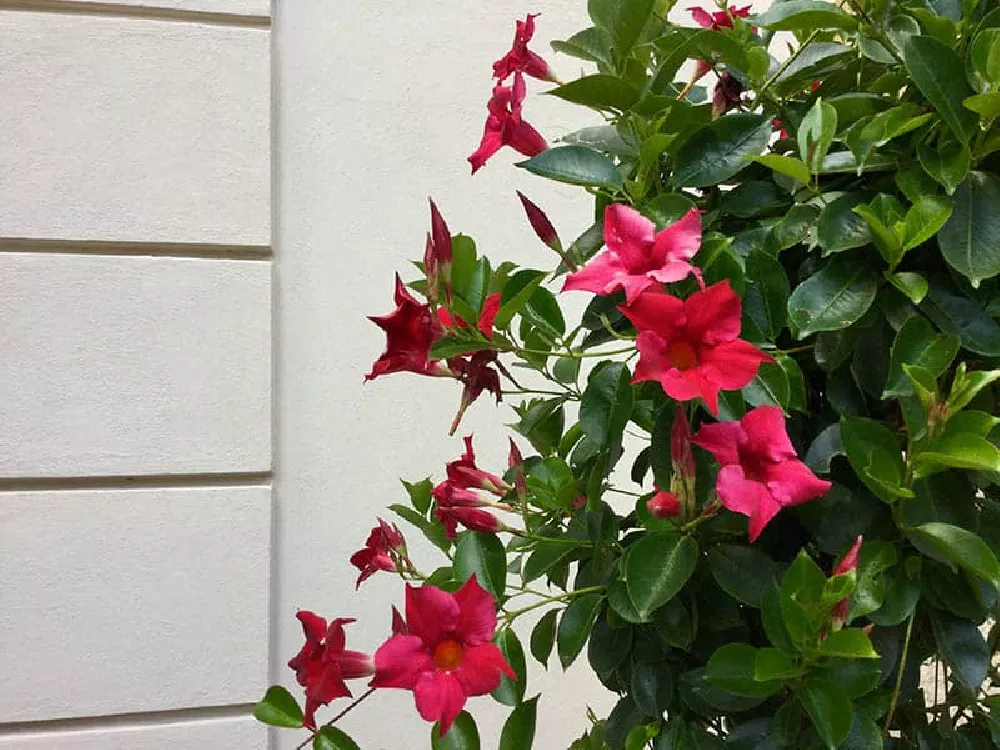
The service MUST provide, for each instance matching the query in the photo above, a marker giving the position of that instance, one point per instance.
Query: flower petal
(793, 483)
(766, 434)
(480, 670)
(636, 285)
(430, 613)
(746, 497)
(732, 365)
(680, 241)
(722, 440)
(477, 618)
(628, 234)
(601, 275)
(657, 311)
(439, 697)
(313, 625)
(491, 306)
(491, 142)
(400, 661)
(713, 314)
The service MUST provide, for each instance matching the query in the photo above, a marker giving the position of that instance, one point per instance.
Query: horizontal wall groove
(152, 481)
(135, 249)
(127, 721)
(151, 13)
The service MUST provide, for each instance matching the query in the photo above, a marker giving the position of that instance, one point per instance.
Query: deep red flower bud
(540, 223)
(520, 58)
(474, 519)
(841, 609)
(681, 455)
(465, 473)
(398, 623)
(663, 504)
(727, 94)
(385, 542)
(515, 461)
(478, 377)
(440, 236)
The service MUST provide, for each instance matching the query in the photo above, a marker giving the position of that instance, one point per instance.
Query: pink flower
(464, 473)
(638, 256)
(323, 663)
(846, 565)
(410, 332)
(691, 346)
(719, 20)
(663, 504)
(520, 59)
(458, 505)
(505, 126)
(377, 554)
(448, 655)
(540, 223)
(759, 470)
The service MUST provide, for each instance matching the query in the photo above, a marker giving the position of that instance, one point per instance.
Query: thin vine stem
(335, 719)
(899, 675)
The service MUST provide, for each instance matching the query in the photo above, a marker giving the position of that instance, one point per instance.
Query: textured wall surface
(135, 381)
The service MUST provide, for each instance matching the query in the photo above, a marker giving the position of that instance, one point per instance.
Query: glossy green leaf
(892, 123)
(420, 494)
(718, 151)
(543, 637)
(657, 567)
(963, 648)
(917, 344)
(462, 735)
(576, 165)
(544, 314)
(970, 240)
(774, 664)
(834, 298)
(856, 677)
(769, 304)
(483, 556)
(806, 15)
(875, 456)
(939, 73)
(839, 228)
(773, 621)
(732, 668)
(652, 686)
(956, 546)
(744, 573)
(849, 643)
(574, 627)
(966, 318)
(601, 92)
(967, 385)
(278, 708)
(948, 163)
(770, 387)
(816, 131)
(545, 556)
(510, 692)
(331, 738)
(985, 55)
(913, 285)
(786, 165)
(985, 105)
(802, 609)
(607, 403)
(519, 729)
(628, 19)
(515, 295)
(925, 219)
(828, 707)
(864, 734)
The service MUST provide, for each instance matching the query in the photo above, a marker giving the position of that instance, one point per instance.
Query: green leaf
(576, 165)
(628, 19)
(542, 311)
(815, 61)
(985, 55)
(657, 567)
(773, 621)
(970, 240)
(601, 92)
(452, 346)
(744, 573)
(985, 105)
(849, 643)
(432, 530)
(834, 298)
(278, 708)
(420, 494)
(948, 163)
(511, 692)
(773, 664)
(575, 625)
(516, 293)
(839, 228)
(864, 734)
(925, 219)
(770, 387)
(892, 123)
(652, 686)
(816, 131)
(463, 735)
(331, 738)
(519, 729)
(786, 165)
(543, 637)
(802, 609)
(958, 451)
(939, 73)
(917, 344)
(874, 454)
(590, 44)
(856, 677)
(607, 404)
(769, 307)
(732, 668)
(913, 285)
(719, 150)
(805, 15)
(828, 707)
(887, 236)
(956, 546)
(966, 385)
(483, 556)
(963, 647)
(545, 557)
(966, 318)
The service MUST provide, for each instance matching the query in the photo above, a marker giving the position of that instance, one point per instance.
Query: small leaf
(719, 150)
(918, 345)
(516, 293)
(786, 165)
(948, 162)
(744, 573)
(957, 451)
(652, 686)
(924, 219)
(913, 285)
(576, 165)
(985, 105)
(773, 664)
(607, 403)
(874, 454)
(849, 643)
(829, 709)
(519, 729)
(601, 92)
(331, 738)
(834, 298)
(985, 55)
(816, 131)
(805, 15)
(656, 569)
(462, 735)
(543, 637)
(510, 692)
(278, 708)
(956, 546)
(483, 556)
(575, 625)
(732, 668)
(839, 228)
(420, 494)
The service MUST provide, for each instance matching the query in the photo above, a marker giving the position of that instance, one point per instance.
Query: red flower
(540, 223)
(846, 565)
(491, 306)
(377, 554)
(448, 655)
(323, 663)
(505, 126)
(458, 505)
(638, 256)
(464, 473)
(759, 470)
(478, 377)
(727, 94)
(719, 20)
(691, 346)
(410, 332)
(520, 58)
(779, 126)
(437, 254)
(663, 504)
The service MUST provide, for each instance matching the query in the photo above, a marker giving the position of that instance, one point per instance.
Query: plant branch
(899, 675)
(336, 718)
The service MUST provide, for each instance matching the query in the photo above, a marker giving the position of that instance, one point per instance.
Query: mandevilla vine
(791, 338)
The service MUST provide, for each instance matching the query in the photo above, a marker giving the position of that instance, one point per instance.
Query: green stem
(899, 675)
(335, 719)
(783, 67)
(880, 35)
(569, 595)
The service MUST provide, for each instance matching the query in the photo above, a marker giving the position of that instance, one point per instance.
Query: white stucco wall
(135, 376)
